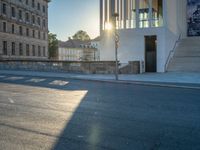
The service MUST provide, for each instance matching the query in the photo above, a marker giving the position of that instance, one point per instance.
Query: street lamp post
(116, 38)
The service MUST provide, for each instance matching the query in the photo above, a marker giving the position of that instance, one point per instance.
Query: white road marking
(35, 80)
(59, 82)
(11, 100)
(14, 78)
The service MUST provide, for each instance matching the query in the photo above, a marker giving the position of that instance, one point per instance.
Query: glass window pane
(144, 13)
(133, 13)
(157, 13)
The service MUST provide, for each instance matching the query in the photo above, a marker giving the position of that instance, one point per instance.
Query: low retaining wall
(95, 67)
(133, 67)
(89, 67)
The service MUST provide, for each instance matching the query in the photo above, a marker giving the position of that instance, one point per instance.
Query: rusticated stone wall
(91, 67)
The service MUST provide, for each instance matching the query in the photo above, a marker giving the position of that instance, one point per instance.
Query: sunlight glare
(108, 26)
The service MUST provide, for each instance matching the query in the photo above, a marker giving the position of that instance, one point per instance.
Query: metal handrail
(172, 51)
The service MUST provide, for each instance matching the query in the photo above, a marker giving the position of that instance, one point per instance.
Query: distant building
(24, 29)
(76, 50)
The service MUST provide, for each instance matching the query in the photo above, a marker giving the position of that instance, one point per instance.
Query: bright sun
(108, 26)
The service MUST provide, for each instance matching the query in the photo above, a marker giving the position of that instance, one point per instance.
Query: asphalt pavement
(41, 113)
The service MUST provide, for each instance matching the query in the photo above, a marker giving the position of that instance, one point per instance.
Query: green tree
(81, 35)
(53, 46)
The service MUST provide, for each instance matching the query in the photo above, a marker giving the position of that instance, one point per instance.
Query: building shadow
(116, 117)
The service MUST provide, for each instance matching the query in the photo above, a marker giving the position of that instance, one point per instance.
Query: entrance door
(150, 53)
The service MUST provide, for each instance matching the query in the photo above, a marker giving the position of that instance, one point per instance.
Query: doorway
(151, 53)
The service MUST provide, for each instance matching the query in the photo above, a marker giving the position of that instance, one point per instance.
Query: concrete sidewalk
(174, 78)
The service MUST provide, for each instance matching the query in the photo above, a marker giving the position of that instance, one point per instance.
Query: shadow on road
(125, 117)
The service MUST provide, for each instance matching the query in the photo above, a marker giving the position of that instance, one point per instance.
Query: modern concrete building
(76, 50)
(154, 32)
(24, 29)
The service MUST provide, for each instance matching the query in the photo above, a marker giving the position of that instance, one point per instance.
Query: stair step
(186, 59)
(192, 46)
(186, 56)
(195, 38)
(184, 69)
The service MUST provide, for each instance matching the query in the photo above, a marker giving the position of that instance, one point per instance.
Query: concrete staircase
(186, 56)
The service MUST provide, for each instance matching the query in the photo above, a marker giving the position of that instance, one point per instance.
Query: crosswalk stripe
(58, 82)
(36, 80)
(14, 78)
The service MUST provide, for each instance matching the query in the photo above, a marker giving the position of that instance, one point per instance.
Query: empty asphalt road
(38, 113)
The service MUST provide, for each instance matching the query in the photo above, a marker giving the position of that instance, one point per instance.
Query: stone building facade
(24, 29)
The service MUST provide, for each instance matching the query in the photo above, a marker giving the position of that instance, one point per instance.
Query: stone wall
(91, 67)
(133, 67)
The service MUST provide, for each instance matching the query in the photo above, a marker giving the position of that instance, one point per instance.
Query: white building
(76, 50)
(148, 30)
(95, 43)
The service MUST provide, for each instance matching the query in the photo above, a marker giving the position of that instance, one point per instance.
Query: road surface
(38, 113)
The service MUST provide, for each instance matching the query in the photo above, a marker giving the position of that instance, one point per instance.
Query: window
(129, 14)
(27, 1)
(20, 49)
(33, 50)
(27, 31)
(44, 10)
(4, 9)
(20, 14)
(33, 3)
(4, 47)
(27, 17)
(13, 48)
(143, 13)
(44, 51)
(39, 35)
(38, 6)
(27, 50)
(33, 34)
(4, 26)
(13, 28)
(13, 11)
(44, 23)
(133, 14)
(38, 21)
(157, 13)
(39, 51)
(44, 36)
(20, 30)
(33, 19)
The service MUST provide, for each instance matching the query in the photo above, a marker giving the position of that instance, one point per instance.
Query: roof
(73, 43)
(98, 38)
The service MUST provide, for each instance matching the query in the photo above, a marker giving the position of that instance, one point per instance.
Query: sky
(66, 17)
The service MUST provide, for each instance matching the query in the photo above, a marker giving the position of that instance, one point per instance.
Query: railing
(172, 52)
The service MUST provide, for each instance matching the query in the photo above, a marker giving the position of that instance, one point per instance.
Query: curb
(142, 83)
